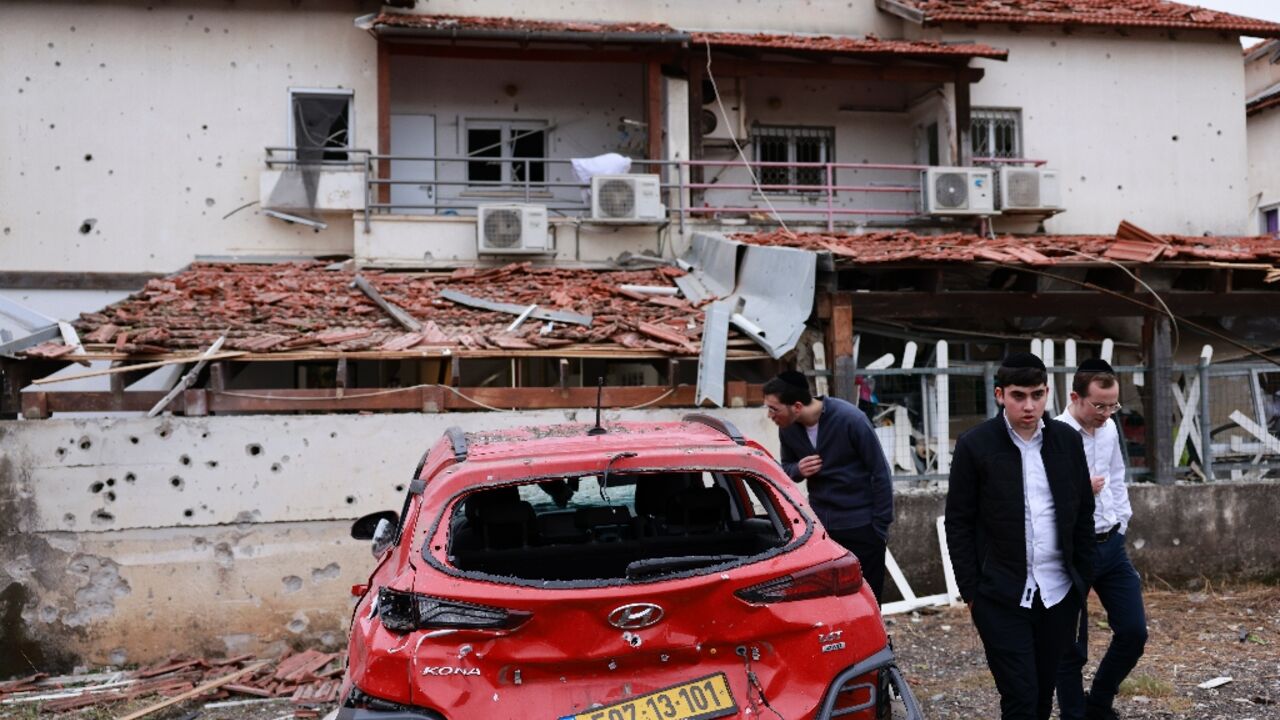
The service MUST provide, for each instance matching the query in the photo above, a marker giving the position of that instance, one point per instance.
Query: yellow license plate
(701, 699)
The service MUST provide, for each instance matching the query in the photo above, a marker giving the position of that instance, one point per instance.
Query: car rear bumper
(884, 662)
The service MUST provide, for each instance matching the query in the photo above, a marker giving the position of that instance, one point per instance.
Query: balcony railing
(841, 191)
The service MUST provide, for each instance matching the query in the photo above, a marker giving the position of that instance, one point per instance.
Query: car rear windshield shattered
(634, 526)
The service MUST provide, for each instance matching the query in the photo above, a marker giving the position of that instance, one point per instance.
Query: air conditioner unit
(627, 198)
(1029, 190)
(511, 229)
(958, 191)
(732, 124)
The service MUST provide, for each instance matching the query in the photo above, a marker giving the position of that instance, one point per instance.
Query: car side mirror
(366, 528)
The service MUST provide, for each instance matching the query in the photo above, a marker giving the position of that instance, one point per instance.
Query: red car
(647, 571)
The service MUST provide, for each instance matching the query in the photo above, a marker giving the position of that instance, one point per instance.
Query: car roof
(570, 439)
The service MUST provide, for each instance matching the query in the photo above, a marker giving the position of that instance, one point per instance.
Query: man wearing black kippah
(1095, 395)
(831, 444)
(1019, 521)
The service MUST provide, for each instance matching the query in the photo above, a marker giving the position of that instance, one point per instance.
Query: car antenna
(598, 429)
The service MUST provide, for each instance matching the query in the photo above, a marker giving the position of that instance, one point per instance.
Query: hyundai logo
(635, 616)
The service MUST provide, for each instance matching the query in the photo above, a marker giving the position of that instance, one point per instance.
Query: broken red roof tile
(510, 24)
(906, 246)
(49, 350)
(869, 45)
(1103, 13)
(1134, 251)
(312, 307)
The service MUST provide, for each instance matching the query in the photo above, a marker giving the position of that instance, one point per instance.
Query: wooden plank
(964, 124)
(842, 347)
(653, 108)
(1270, 445)
(137, 401)
(196, 692)
(578, 397)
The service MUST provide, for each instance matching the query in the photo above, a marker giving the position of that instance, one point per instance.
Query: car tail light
(402, 612)
(842, 576)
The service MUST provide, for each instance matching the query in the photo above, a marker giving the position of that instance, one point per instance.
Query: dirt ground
(1195, 636)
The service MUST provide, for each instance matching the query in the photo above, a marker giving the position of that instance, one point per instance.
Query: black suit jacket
(986, 536)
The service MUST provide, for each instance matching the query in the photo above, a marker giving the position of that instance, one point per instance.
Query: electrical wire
(724, 116)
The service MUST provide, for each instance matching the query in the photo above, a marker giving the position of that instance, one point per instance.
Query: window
(320, 123)
(996, 133)
(505, 142)
(780, 144)
(1270, 220)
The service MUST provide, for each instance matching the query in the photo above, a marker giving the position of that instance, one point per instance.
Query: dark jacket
(854, 488)
(986, 537)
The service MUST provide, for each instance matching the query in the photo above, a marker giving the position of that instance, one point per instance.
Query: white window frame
(793, 133)
(988, 114)
(348, 93)
(507, 128)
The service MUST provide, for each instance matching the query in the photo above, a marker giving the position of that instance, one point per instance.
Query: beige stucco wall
(151, 119)
(1141, 126)
(1264, 173)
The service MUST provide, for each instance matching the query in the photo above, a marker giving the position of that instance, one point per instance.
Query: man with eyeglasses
(830, 443)
(1019, 520)
(1095, 393)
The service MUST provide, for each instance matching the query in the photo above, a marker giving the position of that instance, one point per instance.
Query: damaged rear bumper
(884, 662)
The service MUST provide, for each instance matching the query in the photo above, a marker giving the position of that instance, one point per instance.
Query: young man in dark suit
(1019, 521)
(831, 444)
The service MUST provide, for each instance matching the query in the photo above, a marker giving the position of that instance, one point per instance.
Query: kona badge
(635, 616)
(444, 670)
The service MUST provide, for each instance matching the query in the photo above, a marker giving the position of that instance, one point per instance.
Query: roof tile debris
(906, 246)
(869, 45)
(295, 306)
(1103, 13)
(310, 679)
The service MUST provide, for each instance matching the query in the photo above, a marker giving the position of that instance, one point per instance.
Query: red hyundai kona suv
(643, 571)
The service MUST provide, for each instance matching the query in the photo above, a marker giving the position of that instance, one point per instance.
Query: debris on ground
(1193, 636)
(308, 680)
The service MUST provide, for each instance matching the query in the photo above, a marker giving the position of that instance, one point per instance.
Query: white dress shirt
(1102, 449)
(1046, 569)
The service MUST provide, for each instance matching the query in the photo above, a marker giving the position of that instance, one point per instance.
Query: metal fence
(1226, 417)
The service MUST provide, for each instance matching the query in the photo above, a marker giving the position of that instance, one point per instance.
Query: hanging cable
(724, 117)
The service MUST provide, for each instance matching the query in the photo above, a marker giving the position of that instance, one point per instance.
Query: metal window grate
(996, 133)
(793, 144)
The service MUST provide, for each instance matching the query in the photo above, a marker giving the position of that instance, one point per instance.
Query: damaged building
(257, 256)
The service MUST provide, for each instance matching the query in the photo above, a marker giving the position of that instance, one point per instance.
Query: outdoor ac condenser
(511, 229)
(628, 198)
(958, 191)
(1029, 190)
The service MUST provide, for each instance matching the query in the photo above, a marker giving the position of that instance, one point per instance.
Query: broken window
(628, 526)
(996, 133)
(321, 123)
(504, 144)
(792, 145)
